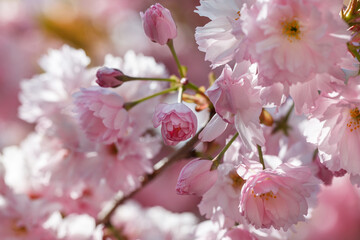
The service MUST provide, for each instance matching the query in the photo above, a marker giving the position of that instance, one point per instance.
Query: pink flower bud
(106, 77)
(196, 178)
(178, 122)
(158, 24)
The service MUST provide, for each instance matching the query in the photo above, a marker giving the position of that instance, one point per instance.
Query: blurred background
(28, 28)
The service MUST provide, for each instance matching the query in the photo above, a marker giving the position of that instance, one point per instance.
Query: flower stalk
(216, 160)
(130, 105)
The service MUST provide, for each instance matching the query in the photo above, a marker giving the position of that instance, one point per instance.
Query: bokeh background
(28, 28)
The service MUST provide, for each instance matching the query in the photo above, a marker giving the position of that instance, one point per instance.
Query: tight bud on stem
(158, 24)
(109, 77)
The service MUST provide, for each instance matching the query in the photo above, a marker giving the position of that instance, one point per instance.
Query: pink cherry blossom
(22, 218)
(122, 164)
(106, 77)
(336, 216)
(196, 177)
(216, 38)
(278, 197)
(334, 129)
(80, 227)
(237, 101)
(292, 39)
(101, 114)
(238, 233)
(306, 94)
(50, 92)
(223, 197)
(158, 24)
(136, 222)
(178, 122)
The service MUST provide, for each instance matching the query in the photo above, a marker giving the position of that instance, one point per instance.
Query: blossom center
(237, 181)
(238, 13)
(18, 230)
(291, 29)
(264, 196)
(354, 122)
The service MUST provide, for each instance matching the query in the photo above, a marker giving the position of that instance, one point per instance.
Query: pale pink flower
(80, 227)
(216, 38)
(22, 218)
(101, 114)
(122, 164)
(28, 167)
(292, 39)
(334, 128)
(178, 122)
(277, 198)
(337, 215)
(138, 65)
(196, 177)
(238, 233)
(106, 77)
(305, 94)
(77, 183)
(50, 92)
(158, 24)
(209, 230)
(223, 197)
(136, 222)
(213, 129)
(237, 101)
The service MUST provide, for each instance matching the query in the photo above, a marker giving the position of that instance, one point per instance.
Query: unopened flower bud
(178, 122)
(108, 77)
(196, 178)
(158, 24)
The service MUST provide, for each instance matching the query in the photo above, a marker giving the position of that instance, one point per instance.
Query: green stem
(315, 154)
(193, 87)
(129, 105)
(353, 50)
(128, 78)
(261, 157)
(181, 90)
(115, 233)
(289, 113)
(173, 52)
(216, 160)
(196, 89)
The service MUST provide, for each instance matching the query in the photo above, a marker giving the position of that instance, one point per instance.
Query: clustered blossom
(238, 102)
(101, 114)
(276, 197)
(284, 121)
(291, 41)
(337, 123)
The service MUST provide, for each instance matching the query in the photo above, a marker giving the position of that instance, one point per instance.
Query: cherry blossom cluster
(281, 120)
